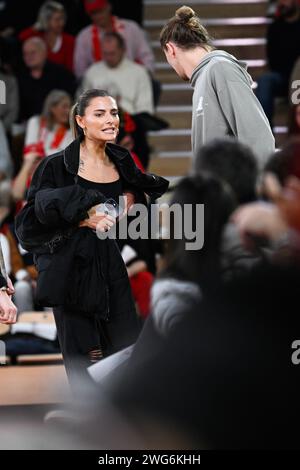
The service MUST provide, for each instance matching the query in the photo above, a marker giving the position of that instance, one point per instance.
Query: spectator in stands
(45, 134)
(40, 77)
(50, 27)
(88, 48)
(50, 132)
(128, 137)
(140, 278)
(6, 164)
(22, 274)
(128, 82)
(283, 49)
(285, 163)
(223, 102)
(234, 163)
(190, 274)
(5, 244)
(8, 311)
(9, 109)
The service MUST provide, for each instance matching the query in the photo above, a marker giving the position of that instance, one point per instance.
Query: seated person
(45, 135)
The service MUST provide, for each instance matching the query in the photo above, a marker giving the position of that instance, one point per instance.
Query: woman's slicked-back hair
(185, 30)
(80, 106)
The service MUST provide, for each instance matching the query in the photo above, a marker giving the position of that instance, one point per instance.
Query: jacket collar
(71, 155)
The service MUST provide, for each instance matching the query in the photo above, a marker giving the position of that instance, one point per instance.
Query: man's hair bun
(185, 13)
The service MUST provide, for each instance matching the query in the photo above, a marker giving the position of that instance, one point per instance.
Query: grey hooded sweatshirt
(224, 104)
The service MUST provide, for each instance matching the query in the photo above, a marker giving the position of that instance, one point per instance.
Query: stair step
(178, 166)
(213, 22)
(174, 139)
(179, 140)
(165, 74)
(206, 9)
(220, 30)
(181, 94)
(248, 48)
(180, 117)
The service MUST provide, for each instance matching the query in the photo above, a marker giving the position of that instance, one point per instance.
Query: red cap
(93, 5)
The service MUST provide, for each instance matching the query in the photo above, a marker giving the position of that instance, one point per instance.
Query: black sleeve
(3, 282)
(65, 206)
(59, 207)
(153, 185)
(50, 209)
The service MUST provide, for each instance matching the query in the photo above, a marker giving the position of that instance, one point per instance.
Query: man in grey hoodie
(224, 103)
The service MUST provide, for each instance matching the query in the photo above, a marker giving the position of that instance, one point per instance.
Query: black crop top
(111, 190)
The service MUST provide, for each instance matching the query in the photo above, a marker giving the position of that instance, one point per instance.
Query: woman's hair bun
(185, 13)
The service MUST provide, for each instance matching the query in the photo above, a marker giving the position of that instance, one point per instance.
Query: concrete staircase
(238, 27)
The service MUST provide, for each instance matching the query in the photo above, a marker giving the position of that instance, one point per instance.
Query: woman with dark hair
(189, 274)
(81, 274)
(223, 103)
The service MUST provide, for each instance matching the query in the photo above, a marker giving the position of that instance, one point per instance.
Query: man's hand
(8, 311)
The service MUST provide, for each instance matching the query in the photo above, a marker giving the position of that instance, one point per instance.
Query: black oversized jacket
(51, 215)
(48, 227)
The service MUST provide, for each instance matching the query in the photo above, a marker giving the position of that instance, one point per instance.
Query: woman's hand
(10, 287)
(129, 200)
(8, 311)
(98, 221)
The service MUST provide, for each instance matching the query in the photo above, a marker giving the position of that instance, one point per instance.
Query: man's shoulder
(84, 32)
(224, 66)
(138, 69)
(96, 70)
(127, 24)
